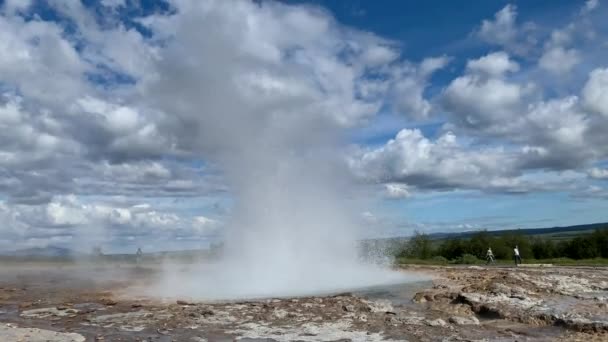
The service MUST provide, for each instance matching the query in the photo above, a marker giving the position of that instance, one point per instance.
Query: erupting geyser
(290, 233)
(273, 124)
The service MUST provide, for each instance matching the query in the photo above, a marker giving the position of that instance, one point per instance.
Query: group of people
(516, 256)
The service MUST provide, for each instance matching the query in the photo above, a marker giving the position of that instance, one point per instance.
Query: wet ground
(94, 303)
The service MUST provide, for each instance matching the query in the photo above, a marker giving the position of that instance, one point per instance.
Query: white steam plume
(263, 91)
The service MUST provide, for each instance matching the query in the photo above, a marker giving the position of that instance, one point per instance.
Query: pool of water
(397, 294)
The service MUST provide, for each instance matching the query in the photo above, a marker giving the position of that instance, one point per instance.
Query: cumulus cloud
(396, 190)
(443, 164)
(12, 6)
(559, 60)
(504, 31)
(589, 6)
(113, 3)
(598, 173)
(86, 224)
(483, 98)
(595, 90)
(558, 57)
(494, 65)
(556, 133)
(409, 85)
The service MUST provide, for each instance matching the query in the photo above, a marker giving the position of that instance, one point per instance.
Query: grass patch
(475, 261)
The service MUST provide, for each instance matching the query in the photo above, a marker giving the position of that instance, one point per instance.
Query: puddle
(399, 295)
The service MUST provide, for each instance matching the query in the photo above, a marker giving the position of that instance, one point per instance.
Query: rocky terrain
(459, 304)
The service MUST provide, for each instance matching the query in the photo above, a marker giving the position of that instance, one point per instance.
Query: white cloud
(558, 57)
(369, 217)
(29, 50)
(559, 60)
(431, 64)
(414, 160)
(83, 224)
(502, 29)
(409, 85)
(598, 173)
(495, 64)
(12, 6)
(379, 55)
(486, 100)
(135, 172)
(556, 133)
(560, 121)
(396, 190)
(118, 119)
(205, 225)
(595, 92)
(28, 136)
(589, 6)
(113, 3)
(409, 98)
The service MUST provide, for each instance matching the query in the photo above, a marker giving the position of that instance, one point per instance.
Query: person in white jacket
(516, 255)
(489, 256)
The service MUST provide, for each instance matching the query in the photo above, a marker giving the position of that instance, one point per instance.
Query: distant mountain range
(526, 231)
(42, 252)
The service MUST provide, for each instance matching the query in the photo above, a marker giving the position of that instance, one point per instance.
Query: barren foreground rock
(75, 303)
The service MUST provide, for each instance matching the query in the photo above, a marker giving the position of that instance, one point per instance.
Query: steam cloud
(269, 111)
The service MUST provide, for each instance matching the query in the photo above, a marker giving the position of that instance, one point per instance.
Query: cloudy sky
(490, 115)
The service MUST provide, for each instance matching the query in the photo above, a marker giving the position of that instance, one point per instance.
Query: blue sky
(142, 122)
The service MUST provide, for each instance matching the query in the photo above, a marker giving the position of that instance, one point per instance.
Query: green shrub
(439, 260)
(543, 248)
(562, 261)
(418, 246)
(452, 248)
(467, 259)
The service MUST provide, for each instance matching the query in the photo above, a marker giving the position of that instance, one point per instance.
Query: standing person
(516, 255)
(138, 255)
(489, 256)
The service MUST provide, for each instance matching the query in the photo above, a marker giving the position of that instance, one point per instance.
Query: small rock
(464, 320)
(25, 305)
(436, 322)
(108, 301)
(498, 288)
(343, 294)
(420, 297)
(380, 306)
(391, 320)
(207, 312)
(348, 308)
(279, 313)
(410, 318)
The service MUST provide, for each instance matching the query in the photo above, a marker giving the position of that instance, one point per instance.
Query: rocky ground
(460, 304)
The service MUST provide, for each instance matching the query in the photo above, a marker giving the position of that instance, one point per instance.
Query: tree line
(586, 246)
